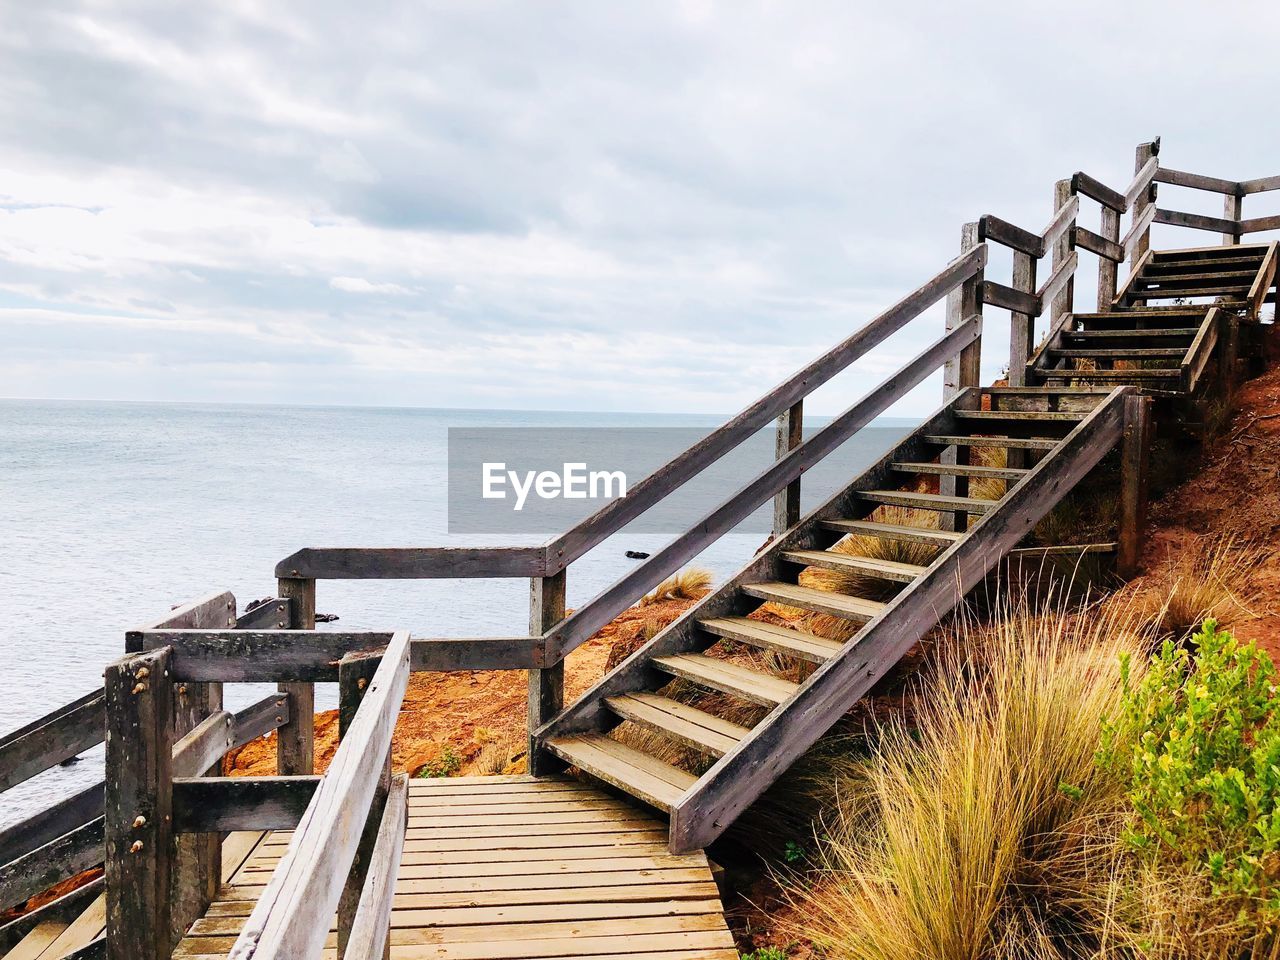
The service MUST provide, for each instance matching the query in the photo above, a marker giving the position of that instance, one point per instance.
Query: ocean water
(112, 513)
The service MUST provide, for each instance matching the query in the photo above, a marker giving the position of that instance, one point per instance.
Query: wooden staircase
(922, 495)
(1166, 322)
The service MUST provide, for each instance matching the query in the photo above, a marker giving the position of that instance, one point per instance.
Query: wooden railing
(67, 837)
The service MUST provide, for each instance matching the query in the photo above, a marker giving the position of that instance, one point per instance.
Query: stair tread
(1023, 415)
(1119, 352)
(1246, 274)
(926, 501)
(679, 721)
(831, 560)
(1017, 443)
(961, 470)
(824, 601)
(894, 531)
(796, 643)
(1134, 332)
(1161, 373)
(728, 677)
(1143, 313)
(651, 780)
(1252, 260)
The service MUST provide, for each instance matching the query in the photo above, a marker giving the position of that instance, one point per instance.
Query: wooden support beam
(295, 741)
(1022, 325)
(1180, 178)
(370, 929)
(1096, 190)
(1139, 240)
(1232, 205)
(411, 563)
(546, 686)
(55, 737)
(271, 615)
(790, 433)
(138, 802)
(1109, 253)
(227, 804)
(964, 302)
(1196, 221)
(1135, 451)
(1060, 287)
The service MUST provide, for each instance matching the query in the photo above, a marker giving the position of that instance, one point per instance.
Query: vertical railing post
(786, 505)
(1064, 302)
(1232, 209)
(961, 372)
(1109, 228)
(295, 744)
(355, 670)
(138, 807)
(1022, 329)
(1144, 153)
(1134, 458)
(546, 686)
(196, 872)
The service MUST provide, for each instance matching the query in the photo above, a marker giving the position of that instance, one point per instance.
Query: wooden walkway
(512, 867)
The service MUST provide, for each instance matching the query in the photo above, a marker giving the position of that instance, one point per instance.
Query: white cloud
(361, 285)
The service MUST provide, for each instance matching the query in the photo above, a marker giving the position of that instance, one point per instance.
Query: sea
(111, 513)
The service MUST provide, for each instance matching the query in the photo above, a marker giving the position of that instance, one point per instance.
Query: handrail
(560, 551)
(602, 608)
(291, 918)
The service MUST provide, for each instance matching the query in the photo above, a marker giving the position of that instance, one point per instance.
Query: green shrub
(1198, 745)
(445, 765)
(764, 953)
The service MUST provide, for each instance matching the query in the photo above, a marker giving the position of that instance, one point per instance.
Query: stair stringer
(588, 714)
(722, 793)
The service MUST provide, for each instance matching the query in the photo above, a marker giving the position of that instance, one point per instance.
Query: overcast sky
(601, 206)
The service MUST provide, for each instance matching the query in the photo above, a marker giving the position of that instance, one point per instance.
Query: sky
(572, 205)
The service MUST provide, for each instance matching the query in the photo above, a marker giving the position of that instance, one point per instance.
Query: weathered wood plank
(1006, 234)
(1097, 190)
(369, 930)
(1106, 247)
(1058, 281)
(546, 685)
(271, 615)
(293, 913)
(1197, 221)
(1057, 296)
(74, 852)
(1196, 181)
(138, 806)
(594, 614)
(208, 804)
(790, 434)
(46, 742)
(1134, 458)
(1138, 240)
(741, 775)
(1257, 224)
(1197, 356)
(1263, 282)
(1260, 185)
(1022, 326)
(412, 563)
(1140, 232)
(295, 740)
(1140, 186)
(56, 914)
(1004, 297)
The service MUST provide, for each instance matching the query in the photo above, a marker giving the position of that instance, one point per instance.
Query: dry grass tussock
(1212, 580)
(949, 841)
(691, 583)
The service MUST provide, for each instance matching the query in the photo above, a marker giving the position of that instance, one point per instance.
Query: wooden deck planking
(503, 868)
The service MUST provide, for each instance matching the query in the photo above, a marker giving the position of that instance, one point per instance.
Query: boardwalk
(509, 867)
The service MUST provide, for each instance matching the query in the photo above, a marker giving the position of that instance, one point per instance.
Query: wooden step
(679, 721)
(1121, 353)
(1160, 267)
(841, 605)
(893, 531)
(1164, 332)
(1208, 290)
(1234, 251)
(730, 678)
(926, 501)
(880, 569)
(1024, 416)
(961, 470)
(771, 636)
(656, 783)
(1244, 276)
(1143, 313)
(1014, 443)
(1118, 375)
